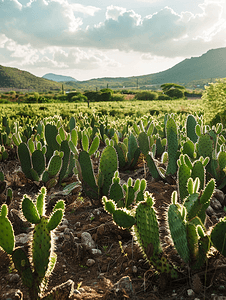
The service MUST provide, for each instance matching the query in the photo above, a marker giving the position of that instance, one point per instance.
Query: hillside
(17, 79)
(58, 78)
(193, 71)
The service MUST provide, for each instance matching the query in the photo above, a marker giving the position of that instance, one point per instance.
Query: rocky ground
(102, 260)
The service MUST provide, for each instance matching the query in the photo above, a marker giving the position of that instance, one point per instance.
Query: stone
(96, 252)
(190, 293)
(215, 204)
(220, 196)
(90, 262)
(14, 278)
(22, 238)
(87, 241)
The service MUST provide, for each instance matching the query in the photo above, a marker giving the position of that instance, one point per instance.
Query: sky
(88, 39)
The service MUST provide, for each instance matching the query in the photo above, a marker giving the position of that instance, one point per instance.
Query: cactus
(144, 147)
(107, 167)
(185, 221)
(142, 219)
(86, 175)
(35, 271)
(172, 146)
(190, 128)
(218, 236)
(7, 239)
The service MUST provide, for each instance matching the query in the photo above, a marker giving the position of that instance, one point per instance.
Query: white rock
(96, 252)
(87, 241)
(190, 292)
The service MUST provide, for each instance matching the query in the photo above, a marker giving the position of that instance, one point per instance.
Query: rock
(191, 293)
(87, 241)
(14, 278)
(122, 288)
(96, 252)
(209, 211)
(22, 238)
(215, 204)
(90, 262)
(220, 196)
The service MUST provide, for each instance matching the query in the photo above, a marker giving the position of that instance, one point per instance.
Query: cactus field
(96, 206)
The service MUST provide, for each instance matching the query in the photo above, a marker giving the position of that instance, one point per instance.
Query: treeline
(169, 91)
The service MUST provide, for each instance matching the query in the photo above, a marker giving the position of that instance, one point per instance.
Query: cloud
(42, 24)
(53, 57)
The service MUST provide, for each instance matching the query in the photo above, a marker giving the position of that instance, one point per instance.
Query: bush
(175, 93)
(79, 98)
(163, 97)
(72, 94)
(117, 97)
(146, 95)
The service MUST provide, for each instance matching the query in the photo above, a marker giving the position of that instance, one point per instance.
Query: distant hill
(58, 78)
(189, 72)
(17, 79)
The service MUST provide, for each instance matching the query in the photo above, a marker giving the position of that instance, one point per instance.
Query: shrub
(78, 98)
(145, 95)
(175, 93)
(163, 97)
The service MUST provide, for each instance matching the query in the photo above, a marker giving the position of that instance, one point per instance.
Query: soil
(121, 257)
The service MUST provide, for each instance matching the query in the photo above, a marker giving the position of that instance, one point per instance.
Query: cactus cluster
(143, 221)
(34, 270)
(127, 194)
(97, 186)
(49, 156)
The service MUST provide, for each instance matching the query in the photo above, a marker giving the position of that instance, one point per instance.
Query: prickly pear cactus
(190, 128)
(172, 146)
(42, 245)
(87, 175)
(218, 236)
(107, 167)
(7, 238)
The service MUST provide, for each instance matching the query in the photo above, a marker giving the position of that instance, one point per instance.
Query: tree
(167, 86)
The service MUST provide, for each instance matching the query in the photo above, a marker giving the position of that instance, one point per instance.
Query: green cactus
(7, 238)
(218, 236)
(51, 133)
(142, 219)
(107, 167)
(186, 223)
(25, 160)
(144, 147)
(190, 128)
(33, 272)
(86, 175)
(172, 146)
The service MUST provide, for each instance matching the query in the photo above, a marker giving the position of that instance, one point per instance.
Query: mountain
(196, 70)
(58, 78)
(17, 79)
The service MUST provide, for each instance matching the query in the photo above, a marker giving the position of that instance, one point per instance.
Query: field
(156, 160)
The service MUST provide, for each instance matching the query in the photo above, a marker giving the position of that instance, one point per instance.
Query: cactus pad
(41, 247)
(30, 211)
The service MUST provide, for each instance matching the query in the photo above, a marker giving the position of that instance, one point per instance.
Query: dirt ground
(120, 256)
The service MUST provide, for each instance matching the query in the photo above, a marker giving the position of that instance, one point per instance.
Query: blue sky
(90, 39)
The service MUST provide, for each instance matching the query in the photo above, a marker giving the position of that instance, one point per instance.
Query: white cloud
(54, 33)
